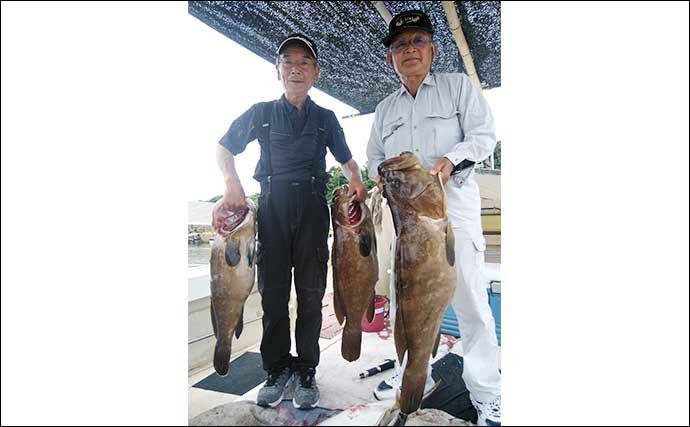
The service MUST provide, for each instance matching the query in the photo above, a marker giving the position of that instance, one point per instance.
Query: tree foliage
(338, 179)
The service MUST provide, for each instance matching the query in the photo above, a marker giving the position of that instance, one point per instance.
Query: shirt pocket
(445, 128)
(391, 137)
(308, 142)
(280, 137)
(282, 146)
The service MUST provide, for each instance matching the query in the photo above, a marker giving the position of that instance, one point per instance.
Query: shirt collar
(430, 80)
(291, 108)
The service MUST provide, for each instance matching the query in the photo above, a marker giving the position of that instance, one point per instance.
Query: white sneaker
(489, 413)
(387, 389)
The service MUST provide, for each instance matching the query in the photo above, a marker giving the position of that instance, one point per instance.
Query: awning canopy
(348, 36)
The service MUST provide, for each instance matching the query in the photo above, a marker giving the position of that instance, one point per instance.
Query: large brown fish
(232, 276)
(355, 269)
(424, 269)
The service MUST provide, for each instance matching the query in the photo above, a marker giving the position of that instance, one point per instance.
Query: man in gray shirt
(444, 120)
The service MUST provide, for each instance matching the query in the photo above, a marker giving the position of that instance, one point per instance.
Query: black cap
(299, 39)
(408, 20)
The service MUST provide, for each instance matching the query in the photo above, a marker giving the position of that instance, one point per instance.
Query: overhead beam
(381, 8)
(460, 41)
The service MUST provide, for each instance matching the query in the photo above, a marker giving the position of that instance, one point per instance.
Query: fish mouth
(406, 160)
(235, 219)
(351, 211)
(354, 213)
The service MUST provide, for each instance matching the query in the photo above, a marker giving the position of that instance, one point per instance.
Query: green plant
(338, 179)
(368, 182)
(255, 198)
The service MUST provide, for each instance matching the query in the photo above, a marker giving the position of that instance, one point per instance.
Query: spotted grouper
(355, 269)
(425, 276)
(232, 276)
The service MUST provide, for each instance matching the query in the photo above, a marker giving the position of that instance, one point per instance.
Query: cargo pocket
(322, 204)
(260, 266)
(479, 243)
(261, 213)
(321, 268)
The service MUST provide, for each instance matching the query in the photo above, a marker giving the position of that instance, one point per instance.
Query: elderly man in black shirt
(293, 133)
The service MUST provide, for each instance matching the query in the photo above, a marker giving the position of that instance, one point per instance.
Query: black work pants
(293, 232)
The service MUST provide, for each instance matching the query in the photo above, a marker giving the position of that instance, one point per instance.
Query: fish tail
(412, 389)
(221, 357)
(352, 343)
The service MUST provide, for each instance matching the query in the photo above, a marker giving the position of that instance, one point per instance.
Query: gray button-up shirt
(449, 118)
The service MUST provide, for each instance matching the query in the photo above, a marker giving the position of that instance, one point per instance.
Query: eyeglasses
(418, 42)
(302, 65)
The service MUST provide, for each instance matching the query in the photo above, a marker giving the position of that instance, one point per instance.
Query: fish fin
(370, 309)
(412, 389)
(374, 250)
(364, 244)
(251, 251)
(375, 242)
(240, 323)
(450, 245)
(399, 330)
(232, 252)
(399, 335)
(221, 357)
(396, 268)
(434, 350)
(338, 304)
(213, 321)
(351, 346)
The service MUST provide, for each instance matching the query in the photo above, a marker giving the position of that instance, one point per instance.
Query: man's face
(297, 70)
(411, 53)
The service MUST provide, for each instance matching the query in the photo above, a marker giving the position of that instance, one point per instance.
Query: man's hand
(357, 189)
(444, 167)
(234, 198)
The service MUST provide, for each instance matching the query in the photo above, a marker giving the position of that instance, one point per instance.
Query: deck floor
(338, 380)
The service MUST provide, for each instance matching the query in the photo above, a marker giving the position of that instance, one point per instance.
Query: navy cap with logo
(408, 20)
(301, 40)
